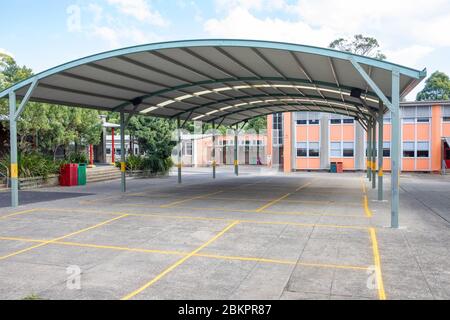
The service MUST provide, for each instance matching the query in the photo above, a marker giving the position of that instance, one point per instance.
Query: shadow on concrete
(30, 197)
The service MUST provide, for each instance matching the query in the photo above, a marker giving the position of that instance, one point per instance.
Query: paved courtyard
(261, 235)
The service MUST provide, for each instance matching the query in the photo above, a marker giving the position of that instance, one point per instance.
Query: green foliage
(257, 124)
(33, 165)
(77, 157)
(43, 127)
(154, 135)
(359, 44)
(151, 164)
(32, 297)
(437, 87)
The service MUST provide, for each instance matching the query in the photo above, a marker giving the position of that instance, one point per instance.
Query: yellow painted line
(98, 200)
(180, 253)
(179, 262)
(303, 187)
(176, 203)
(278, 261)
(367, 210)
(377, 261)
(363, 185)
(188, 217)
(273, 202)
(62, 237)
(17, 214)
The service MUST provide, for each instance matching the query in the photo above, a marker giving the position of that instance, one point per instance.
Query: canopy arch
(216, 79)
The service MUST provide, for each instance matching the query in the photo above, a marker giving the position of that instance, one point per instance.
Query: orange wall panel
(302, 163)
(408, 164)
(335, 133)
(349, 164)
(446, 129)
(408, 132)
(423, 132)
(387, 164)
(349, 133)
(387, 132)
(436, 144)
(314, 133)
(302, 133)
(314, 163)
(423, 164)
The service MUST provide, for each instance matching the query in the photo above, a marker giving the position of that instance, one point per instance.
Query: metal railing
(6, 177)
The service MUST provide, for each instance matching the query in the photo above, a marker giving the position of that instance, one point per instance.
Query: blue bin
(333, 167)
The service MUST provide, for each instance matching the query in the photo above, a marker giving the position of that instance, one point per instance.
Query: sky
(45, 33)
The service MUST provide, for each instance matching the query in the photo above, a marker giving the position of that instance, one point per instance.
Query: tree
(437, 87)
(359, 44)
(154, 135)
(257, 124)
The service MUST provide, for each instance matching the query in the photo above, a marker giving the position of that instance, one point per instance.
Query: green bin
(82, 176)
(333, 167)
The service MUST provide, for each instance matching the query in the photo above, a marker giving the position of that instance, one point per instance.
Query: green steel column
(179, 165)
(374, 153)
(214, 151)
(369, 150)
(236, 160)
(395, 153)
(380, 150)
(123, 153)
(13, 144)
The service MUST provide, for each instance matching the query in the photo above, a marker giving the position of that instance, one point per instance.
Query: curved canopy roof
(227, 81)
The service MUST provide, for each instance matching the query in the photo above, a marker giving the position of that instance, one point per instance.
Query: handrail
(7, 174)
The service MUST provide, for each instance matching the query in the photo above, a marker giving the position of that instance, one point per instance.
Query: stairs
(104, 173)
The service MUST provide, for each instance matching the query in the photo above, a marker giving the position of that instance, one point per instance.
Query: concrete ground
(261, 235)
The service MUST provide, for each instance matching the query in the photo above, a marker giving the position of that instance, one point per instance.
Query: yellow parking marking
(377, 261)
(271, 203)
(278, 261)
(188, 217)
(303, 186)
(98, 200)
(180, 253)
(62, 237)
(367, 210)
(179, 262)
(17, 214)
(176, 203)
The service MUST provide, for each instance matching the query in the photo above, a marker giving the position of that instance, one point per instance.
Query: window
(386, 149)
(423, 149)
(446, 119)
(387, 118)
(335, 150)
(335, 121)
(313, 118)
(446, 114)
(423, 119)
(188, 148)
(314, 150)
(301, 149)
(408, 120)
(108, 151)
(349, 149)
(423, 114)
(302, 118)
(408, 150)
(349, 121)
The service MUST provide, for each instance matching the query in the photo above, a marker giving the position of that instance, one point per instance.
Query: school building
(313, 140)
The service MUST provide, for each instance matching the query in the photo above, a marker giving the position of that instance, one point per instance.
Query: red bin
(69, 175)
(340, 167)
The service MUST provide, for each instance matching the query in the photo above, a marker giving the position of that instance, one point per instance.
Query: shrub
(151, 164)
(34, 165)
(77, 157)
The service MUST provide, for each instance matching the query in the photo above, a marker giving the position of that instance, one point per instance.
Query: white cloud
(240, 23)
(141, 10)
(408, 30)
(117, 37)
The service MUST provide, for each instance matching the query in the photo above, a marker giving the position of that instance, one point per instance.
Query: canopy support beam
(179, 146)
(214, 150)
(123, 152)
(380, 151)
(395, 153)
(371, 83)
